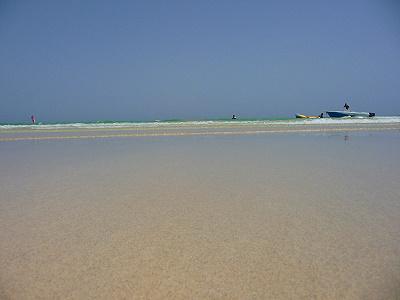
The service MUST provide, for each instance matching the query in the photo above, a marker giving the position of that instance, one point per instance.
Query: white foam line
(122, 125)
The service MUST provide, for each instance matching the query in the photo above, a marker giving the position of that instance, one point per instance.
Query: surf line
(168, 127)
(248, 132)
(160, 128)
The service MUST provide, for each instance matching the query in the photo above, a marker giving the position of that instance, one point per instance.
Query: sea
(198, 123)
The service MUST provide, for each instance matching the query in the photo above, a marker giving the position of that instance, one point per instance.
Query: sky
(146, 60)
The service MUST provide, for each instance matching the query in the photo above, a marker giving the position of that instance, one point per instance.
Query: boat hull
(352, 114)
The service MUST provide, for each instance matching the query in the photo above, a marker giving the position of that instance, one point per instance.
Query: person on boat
(346, 106)
(33, 119)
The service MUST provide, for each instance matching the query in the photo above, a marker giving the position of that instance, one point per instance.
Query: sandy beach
(209, 213)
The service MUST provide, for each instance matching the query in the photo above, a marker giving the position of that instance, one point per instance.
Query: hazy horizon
(74, 61)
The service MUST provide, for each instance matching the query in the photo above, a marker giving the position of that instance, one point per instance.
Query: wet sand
(103, 131)
(253, 216)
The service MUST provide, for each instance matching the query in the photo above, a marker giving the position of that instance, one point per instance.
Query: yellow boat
(299, 116)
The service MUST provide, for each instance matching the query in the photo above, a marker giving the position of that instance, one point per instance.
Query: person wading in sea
(33, 119)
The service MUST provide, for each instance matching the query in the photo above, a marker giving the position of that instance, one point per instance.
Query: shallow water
(200, 123)
(304, 215)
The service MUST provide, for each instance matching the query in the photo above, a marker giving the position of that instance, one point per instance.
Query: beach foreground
(253, 216)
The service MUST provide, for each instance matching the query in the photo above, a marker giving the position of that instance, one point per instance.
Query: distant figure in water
(233, 117)
(321, 115)
(33, 119)
(346, 106)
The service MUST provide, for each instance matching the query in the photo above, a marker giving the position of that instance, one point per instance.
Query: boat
(300, 116)
(349, 114)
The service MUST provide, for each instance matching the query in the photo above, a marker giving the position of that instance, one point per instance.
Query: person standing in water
(33, 119)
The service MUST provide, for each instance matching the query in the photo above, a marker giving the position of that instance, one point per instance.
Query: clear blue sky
(144, 60)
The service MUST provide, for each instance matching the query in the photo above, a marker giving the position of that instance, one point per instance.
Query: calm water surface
(235, 217)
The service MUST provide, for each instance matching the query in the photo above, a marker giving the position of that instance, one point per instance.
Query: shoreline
(10, 135)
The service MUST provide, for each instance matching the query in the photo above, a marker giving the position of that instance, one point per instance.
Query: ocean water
(201, 123)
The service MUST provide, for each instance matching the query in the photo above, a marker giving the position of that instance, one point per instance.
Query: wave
(205, 123)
